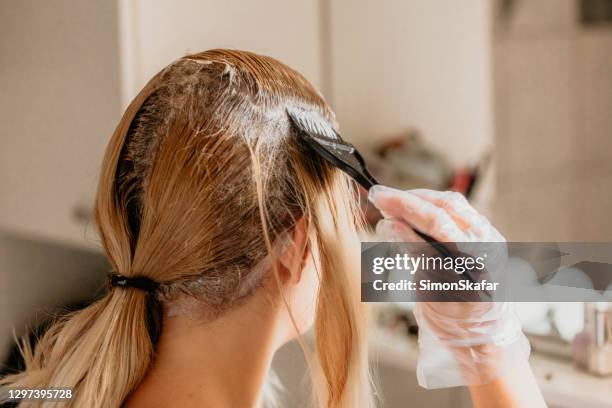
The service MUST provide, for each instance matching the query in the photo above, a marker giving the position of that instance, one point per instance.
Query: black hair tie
(137, 282)
(154, 308)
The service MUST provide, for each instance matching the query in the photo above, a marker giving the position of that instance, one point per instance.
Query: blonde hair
(200, 177)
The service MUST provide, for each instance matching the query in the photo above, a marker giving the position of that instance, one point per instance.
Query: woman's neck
(222, 363)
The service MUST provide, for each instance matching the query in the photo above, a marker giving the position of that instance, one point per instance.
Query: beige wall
(159, 31)
(422, 63)
(553, 88)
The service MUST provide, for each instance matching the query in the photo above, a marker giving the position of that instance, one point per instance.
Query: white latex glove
(461, 343)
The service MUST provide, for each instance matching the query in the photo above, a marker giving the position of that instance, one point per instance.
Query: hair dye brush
(321, 137)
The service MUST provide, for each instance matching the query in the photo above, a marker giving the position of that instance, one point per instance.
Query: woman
(227, 238)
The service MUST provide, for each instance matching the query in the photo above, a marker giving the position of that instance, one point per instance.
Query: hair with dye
(202, 174)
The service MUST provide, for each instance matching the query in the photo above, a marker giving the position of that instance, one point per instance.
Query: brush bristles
(312, 123)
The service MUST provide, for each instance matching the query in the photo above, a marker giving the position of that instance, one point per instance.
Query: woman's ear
(292, 259)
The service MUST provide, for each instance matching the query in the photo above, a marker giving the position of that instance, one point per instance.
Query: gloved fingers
(422, 214)
(455, 203)
(459, 208)
(396, 230)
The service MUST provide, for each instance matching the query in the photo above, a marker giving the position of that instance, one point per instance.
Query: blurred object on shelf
(405, 161)
(550, 346)
(506, 9)
(535, 317)
(568, 319)
(596, 12)
(551, 327)
(396, 318)
(593, 346)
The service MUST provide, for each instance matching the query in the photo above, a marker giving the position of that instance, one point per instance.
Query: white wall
(59, 103)
(553, 98)
(160, 31)
(421, 63)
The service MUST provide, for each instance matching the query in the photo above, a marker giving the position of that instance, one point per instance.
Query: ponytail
(102, 352)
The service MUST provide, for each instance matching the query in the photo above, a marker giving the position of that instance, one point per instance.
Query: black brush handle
(442, 250)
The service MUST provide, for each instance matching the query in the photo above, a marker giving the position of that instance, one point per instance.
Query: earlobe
(304, 259)
(296, 253)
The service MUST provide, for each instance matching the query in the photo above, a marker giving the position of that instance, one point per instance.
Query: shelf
(561, 384)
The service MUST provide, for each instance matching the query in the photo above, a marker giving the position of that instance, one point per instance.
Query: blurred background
(506, 101)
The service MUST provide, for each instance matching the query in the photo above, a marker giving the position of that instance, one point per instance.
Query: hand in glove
(461, 343)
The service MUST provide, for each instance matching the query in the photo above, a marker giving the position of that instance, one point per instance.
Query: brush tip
(311, 122)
